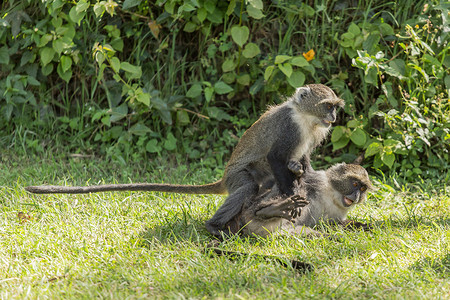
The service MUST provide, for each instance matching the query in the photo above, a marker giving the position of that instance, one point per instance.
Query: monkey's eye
(355, 184)
(329, 106)
(363, 189)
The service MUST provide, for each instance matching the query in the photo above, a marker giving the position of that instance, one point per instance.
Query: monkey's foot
(295, 167)
(285, 208)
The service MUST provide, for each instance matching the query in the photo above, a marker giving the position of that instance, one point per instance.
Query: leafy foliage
(135, 79)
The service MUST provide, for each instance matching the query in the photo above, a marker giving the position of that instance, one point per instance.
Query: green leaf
(373, 149)
(251, 50)
(299, 61)
(66, 63)
(254, 12)
(388, 158)
(341, 143)
(286, 68)
(130, 3)
(337, 133)
(268, 72)
(190, 27)
(358, 137)
(209, 91)
(228, 65)
(183, 117)
(297, 79)
(32, 81)
(447, 82)
(231, 7)
(118, 113)
(244, 79)
(386, 29)
(115, 64)
(139, 129)
(170, 143)
(75, 16)
(201, 14)
(152, 146)
(353, 123)
(143, 97)
(47, 69)
(240, 34)
(377, 162)
(210, 5)
(282, 58)
(217, 113)
(44, 40)
(133, 71)
(256, 3)
(99, 9)
(222, 88)
(354, 29)
(47, 55)
(58, 45)
(4, 55)
(82, 6)
(65, 75)
(194, 91)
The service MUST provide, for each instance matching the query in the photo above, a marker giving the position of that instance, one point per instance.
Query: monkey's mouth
(326, 123)
(348, 201)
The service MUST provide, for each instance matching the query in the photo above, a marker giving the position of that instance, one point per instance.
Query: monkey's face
(319, 101)
(351, 181)
(327, 113)
(355, 192)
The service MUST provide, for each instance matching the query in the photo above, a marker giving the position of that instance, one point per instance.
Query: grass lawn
(152, 245)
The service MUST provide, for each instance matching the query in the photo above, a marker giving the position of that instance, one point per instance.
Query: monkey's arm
(278, 159)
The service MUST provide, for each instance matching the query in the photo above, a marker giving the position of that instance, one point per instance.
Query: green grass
(151, 245)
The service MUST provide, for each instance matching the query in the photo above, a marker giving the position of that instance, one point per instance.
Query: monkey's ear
(301, 92)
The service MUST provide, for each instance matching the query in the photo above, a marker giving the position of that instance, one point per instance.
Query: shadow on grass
(412, 222)
(194, 232)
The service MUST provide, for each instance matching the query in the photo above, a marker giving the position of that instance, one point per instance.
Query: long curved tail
(211, 188)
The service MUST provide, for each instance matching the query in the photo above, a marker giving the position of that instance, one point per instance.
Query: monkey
(325, 196)
(272, 145)
(333, 194)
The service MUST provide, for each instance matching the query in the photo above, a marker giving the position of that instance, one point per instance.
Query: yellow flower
(417, 26)
(309, 55)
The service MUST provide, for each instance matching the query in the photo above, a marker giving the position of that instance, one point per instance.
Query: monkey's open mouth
(348, 201)
(326, 123)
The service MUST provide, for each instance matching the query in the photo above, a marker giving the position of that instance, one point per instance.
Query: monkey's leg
(281, 208)
(233, 203)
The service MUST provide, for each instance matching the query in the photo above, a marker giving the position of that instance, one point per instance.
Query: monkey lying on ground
(321, 195)
(271, 146)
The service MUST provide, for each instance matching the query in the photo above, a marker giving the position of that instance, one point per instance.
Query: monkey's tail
(211, 188)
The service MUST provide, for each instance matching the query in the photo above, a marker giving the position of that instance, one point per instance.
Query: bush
(136, 79)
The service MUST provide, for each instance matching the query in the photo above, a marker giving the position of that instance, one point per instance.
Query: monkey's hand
(296, 167)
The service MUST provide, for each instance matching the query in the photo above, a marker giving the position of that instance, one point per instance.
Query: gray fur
(287, 132)
(324, 192)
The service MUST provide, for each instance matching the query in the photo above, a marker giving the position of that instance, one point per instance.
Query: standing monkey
(273, 145)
